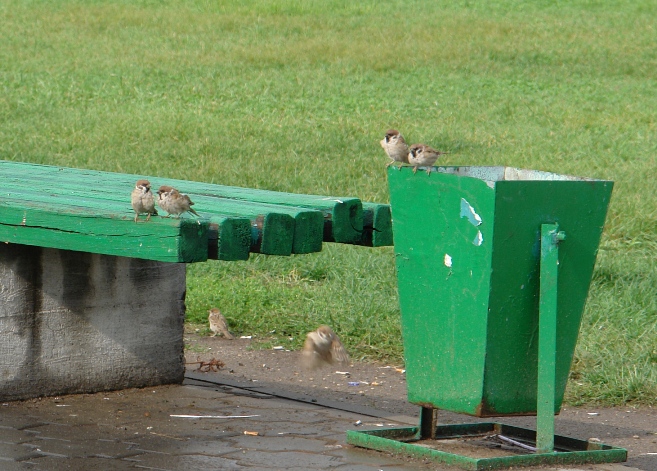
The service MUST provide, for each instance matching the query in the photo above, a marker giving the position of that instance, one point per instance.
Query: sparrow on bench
(142, 200)
(174, 202)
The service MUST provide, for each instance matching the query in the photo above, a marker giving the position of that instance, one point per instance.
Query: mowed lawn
(295, 95)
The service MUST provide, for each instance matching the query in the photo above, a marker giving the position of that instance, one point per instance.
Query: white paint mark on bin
(448, 261)
(479, 239)
(467, 211)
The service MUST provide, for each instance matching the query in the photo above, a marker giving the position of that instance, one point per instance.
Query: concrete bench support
(73, 322)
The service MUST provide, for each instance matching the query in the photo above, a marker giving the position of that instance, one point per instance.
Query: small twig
(207, 366)
(516, 443)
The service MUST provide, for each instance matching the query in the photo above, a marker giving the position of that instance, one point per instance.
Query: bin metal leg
(428, 422)
(547, 337)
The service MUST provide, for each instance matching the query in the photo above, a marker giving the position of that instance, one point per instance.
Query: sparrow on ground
(174, 202)
(395, 146)
(323, 347)
(142, 199)
(420, 154)
(218, 324)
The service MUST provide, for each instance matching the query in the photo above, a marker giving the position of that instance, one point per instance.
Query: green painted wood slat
(59, 226)
(343, 216)
(229, 237)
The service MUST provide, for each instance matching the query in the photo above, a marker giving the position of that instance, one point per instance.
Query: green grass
(294, 96)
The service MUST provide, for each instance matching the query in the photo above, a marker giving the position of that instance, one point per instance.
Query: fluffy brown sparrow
(323, 347)
(174, 202)
(142, 199)
(218, 324)
(395, 146)
(420, 154)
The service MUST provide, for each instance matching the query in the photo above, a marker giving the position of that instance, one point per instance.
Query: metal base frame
(568, 450)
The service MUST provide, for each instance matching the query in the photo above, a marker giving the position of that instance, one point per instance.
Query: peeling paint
(448, 261)
(479, 239)
(467, 211)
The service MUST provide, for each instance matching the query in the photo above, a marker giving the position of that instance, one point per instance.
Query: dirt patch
(376, 385)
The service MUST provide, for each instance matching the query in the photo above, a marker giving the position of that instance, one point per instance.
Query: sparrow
(142, 199)
(323, 347)
(218, 324)
(395, 146)
(174, 202)
(420, 154)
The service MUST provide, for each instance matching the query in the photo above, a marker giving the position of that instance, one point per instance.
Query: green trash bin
(493, 269)
(467, 246)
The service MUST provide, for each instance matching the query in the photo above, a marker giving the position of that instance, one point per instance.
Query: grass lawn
(294, 96)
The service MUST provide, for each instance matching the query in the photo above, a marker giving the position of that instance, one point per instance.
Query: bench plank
(54, 225)
(230, 237)
(377, 225)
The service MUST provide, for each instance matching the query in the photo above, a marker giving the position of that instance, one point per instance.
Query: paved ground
(299, 421)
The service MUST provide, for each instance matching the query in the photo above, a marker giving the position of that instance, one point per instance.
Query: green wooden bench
(91, 300)
(90, 211)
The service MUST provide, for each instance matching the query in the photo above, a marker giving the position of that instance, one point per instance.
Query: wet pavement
(138, 429)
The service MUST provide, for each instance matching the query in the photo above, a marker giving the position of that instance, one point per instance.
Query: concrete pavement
(137, 429)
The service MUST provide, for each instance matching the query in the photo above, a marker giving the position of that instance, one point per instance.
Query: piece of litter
(342, 373)
(253, 434)
(245, 337)
(149, 428)
(379, 425)
(279, 347)
(358, 422)
(213, 416)
(332, 446)
(375, 383)
(592, 414)
(400, 370)
(354, 383)
(593, 439)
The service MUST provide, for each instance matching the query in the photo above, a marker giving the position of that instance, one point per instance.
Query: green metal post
(428, 423)
(547, 337)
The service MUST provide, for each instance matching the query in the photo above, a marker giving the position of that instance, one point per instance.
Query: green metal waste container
(467, 247)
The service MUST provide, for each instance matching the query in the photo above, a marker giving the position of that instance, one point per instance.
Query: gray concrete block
(73, 322)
